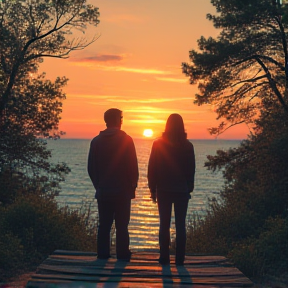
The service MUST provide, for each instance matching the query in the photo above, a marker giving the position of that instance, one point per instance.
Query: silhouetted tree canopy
(30, 104)
(245, 64)
(243, 73)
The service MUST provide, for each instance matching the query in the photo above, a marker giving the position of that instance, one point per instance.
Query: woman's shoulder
(159, 140)
(188, 144)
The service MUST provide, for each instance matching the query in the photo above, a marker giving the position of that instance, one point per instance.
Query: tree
(30, 105)
(245, 64)
(244, 74)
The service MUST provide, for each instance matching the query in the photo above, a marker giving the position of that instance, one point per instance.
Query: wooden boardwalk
(83, 269)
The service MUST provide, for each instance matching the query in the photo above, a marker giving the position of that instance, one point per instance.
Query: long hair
(174, 129)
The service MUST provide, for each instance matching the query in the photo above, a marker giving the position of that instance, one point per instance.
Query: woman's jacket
(171, 168)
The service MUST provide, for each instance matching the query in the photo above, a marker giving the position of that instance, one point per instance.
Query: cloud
(88, 96)
(148, 121)
(145, 119)
(99, 58)
(133, 70)
(167, 79)
(104, 58)
(155, 100)
(93, 62)
(79, 120)
(156, 110)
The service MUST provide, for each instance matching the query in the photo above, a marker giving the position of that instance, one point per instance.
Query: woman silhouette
(171, 172)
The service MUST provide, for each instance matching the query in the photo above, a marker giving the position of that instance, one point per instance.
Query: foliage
(246, 64)
(35, 227)
(244, 74)
(30, 105)
(31, 31)
(256, 190)
(11, 254)
(32, 226)
(266, 254)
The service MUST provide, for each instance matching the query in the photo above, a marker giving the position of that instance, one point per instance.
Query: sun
(148, 132)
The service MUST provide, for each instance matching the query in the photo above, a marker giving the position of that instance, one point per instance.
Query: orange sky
(135, 66)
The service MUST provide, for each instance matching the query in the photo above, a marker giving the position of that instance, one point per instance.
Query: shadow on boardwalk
(83, 269)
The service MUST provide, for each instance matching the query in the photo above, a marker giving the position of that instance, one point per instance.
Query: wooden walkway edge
(82, 269)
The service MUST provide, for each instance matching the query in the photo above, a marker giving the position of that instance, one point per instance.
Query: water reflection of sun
(148, 133)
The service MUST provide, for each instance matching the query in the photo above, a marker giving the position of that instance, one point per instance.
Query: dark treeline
(32, 225)
(244, 74)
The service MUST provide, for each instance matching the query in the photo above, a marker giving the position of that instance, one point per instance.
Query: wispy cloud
(145, 119)
(104, 58)
(133, 70)
(106, 99)
(96, 97)
(148, 121)
(99, 58)
(79, 120)
(155, 100)
(169, 79)
(156, 110)
(93, 62)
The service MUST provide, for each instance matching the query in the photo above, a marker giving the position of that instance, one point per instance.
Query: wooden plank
(223, 281)
(68, 284)
(136, 255)
(72, 267)
(142, 270)
(190, 260)
(74, 253)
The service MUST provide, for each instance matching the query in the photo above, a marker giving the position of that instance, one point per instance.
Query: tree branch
(256, 56)
(250, 80)
(273, 84)
(233, 124)
(20, 59)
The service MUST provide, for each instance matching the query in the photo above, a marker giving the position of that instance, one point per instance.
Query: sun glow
(148, 133)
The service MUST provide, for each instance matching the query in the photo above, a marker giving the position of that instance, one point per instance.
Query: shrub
(35, 226)
(267, 254)
(11, 255)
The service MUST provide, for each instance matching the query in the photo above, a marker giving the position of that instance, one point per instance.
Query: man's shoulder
(125, 135)
(95, 139)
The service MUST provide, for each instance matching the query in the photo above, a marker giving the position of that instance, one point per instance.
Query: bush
(11, 255)
(34, 226)
(249, 224)
(267, 254)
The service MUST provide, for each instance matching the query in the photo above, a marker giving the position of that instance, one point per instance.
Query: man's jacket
(112, 165)
(171, 168)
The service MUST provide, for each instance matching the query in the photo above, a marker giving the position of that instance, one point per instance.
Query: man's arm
(92, 164)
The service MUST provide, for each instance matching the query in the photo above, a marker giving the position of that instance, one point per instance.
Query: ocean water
(77, 190)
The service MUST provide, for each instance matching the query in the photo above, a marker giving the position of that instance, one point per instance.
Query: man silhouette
(113, 169)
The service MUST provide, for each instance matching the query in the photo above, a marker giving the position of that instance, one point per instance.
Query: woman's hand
(153, 197)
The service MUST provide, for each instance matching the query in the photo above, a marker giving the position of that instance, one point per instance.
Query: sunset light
(127, 69)
(148, 133)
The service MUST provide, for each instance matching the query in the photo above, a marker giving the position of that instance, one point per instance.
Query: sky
(135, 66)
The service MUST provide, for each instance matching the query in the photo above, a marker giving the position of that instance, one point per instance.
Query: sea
(78, 192)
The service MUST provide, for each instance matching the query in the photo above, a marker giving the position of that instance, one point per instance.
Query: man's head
(113, 118)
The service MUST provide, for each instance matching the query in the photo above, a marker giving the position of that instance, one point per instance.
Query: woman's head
(174, 129)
